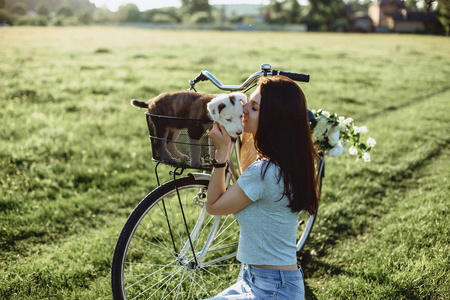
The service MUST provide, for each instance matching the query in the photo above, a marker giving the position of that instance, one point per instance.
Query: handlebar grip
(295, 76)
(199, 78)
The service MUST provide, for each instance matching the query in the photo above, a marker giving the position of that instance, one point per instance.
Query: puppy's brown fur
(187, 105)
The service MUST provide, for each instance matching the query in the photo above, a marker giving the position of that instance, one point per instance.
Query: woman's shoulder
(258, 165)
(262, 166)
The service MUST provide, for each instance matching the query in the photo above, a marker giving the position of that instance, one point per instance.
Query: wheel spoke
(155, 254)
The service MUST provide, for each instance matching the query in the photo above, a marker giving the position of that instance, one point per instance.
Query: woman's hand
(222, 141)
(219, 200)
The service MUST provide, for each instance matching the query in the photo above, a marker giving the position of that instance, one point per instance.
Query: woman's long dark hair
(284, 138)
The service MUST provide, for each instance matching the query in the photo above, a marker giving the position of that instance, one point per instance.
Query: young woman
(270, 192)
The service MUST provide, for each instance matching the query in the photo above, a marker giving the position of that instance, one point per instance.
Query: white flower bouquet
(333, 134)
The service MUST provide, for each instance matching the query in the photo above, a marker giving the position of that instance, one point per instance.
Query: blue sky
(113, 5)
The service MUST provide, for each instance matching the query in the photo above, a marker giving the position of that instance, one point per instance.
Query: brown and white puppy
(225, 109)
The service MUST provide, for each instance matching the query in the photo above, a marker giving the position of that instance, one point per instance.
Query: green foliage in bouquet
(333, 134)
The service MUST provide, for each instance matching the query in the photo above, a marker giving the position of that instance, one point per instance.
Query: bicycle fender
(200, 176)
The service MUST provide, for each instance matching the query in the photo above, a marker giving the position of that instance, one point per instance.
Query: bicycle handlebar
(294, 76)
(265, 71)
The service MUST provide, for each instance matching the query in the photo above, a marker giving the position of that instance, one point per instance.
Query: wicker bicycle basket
(191, 149)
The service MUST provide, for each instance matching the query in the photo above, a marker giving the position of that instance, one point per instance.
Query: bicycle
(170, 247)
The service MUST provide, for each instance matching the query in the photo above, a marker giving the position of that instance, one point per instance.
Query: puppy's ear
(232, 99)
(241, 97)
(221, 106)
(215, 107)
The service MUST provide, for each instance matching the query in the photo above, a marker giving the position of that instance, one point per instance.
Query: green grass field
(75, 156)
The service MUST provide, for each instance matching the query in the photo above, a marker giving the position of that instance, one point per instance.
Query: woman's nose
(245, 108)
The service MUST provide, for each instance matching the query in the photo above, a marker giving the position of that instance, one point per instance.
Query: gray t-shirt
(267, 226)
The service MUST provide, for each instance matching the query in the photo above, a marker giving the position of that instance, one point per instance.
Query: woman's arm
(220, 201)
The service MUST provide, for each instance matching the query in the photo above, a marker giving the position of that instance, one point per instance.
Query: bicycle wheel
(154, 256)
(306, 220)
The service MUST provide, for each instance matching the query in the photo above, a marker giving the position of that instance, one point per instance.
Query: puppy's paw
(180, 156)
(171, 161)
(196, 164)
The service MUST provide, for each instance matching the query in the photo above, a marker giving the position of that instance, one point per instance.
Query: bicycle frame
(232, 174)
(187, 242)
(232, 170)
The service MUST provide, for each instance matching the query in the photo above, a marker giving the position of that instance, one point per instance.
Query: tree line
(320, 15)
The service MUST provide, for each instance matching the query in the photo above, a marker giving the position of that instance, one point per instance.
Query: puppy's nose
(239, 133)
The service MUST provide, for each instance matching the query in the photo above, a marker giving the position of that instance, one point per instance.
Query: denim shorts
(266, 284)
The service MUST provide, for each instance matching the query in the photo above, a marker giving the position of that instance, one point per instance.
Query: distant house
(381, 12)
(392, 15)
(414, 21)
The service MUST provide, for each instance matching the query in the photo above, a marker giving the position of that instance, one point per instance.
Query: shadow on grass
(309, 294)
(314, 268)
(347, 222)
(412, 101)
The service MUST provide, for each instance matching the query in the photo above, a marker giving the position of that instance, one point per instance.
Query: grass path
(74, 156)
